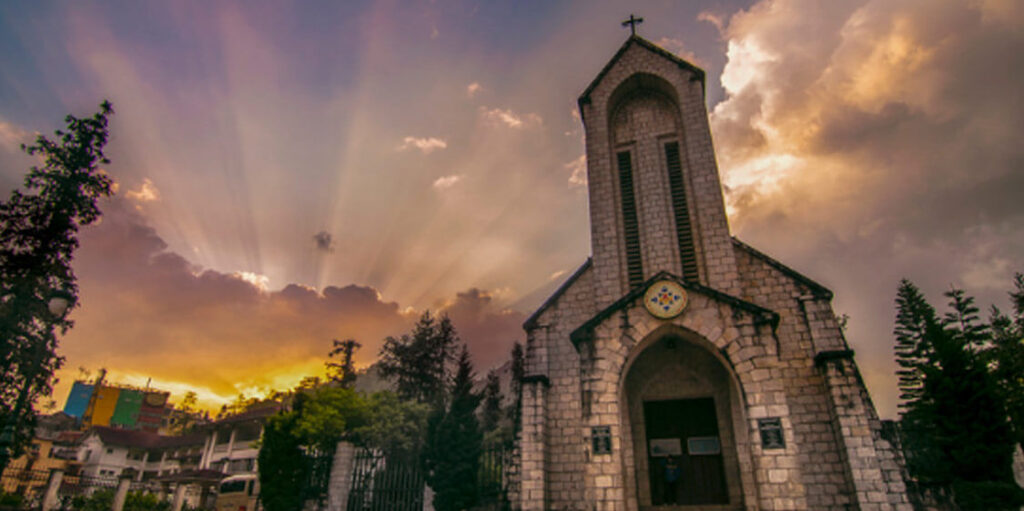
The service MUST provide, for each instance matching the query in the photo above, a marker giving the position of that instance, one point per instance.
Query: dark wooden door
(695, 475)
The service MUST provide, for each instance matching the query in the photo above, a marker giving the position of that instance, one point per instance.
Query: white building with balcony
(231, 443)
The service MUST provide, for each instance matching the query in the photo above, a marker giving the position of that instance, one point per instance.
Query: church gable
(701, 298)
(638, 44)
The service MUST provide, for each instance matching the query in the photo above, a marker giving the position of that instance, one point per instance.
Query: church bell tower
(655, 195)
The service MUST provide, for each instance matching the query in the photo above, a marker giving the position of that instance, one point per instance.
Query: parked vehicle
(239, 493)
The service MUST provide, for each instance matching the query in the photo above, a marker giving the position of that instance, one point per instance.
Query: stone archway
(675, 388)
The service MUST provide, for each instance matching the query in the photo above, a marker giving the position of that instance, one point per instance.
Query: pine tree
(913, 317)
(419, 362)
(282, 465)
(492, 402)
(1005, 356)
(516, 385)
(954, 422)
(343, 372)
(452, 458)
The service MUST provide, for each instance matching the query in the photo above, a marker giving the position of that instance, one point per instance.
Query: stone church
(680, 368)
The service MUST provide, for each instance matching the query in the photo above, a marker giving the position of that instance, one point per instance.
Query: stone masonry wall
(641, 125)
(825, 474)
(770, 479)
(562, 439)
(834, 420)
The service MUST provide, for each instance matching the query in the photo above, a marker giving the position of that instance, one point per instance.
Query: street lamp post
(58, 305)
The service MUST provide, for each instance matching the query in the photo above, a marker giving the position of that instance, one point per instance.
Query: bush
(103, 500)
(10, 500)
(139, 501)
(100, 500)
(988, 496)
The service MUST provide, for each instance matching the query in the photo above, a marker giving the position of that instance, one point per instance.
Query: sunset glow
(290, 175)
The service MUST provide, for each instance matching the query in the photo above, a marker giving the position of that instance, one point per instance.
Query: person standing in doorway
(672, 474)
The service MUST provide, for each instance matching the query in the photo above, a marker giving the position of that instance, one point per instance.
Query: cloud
(147, 312)
(578, 171)
(446, 182)
(323, 241)
(12, 136)
(884, 150)
(488, 330)
(715, 19)
(13, 161)
(472, 89)
(147, 192)
(676, 46)
(506, 117)
(262, 282)
(427, 144)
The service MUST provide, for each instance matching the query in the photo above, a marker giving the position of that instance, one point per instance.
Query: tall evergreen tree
(913, 317)
(516, 385)
(492, 402)
(1005, 356)
(954, 422)
(419, 362)
(282, 466)
(344, 371)
(452, 458)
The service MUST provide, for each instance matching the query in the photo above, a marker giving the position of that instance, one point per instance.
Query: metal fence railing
(26, 485)
(26, 489)
(379, 484)
(493, 479)
(84, 486)
(318, 476)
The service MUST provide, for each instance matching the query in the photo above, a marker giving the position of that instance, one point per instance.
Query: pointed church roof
(644, 43)
(817, 289)
(531, 321)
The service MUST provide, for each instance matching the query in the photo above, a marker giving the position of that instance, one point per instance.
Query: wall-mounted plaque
(601, 439)
(771, 433)
(662, 447)
(703, 446)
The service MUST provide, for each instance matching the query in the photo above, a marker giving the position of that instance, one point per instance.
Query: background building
(119, 406)
(230, 445)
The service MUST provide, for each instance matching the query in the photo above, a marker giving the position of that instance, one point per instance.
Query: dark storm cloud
(323, 241)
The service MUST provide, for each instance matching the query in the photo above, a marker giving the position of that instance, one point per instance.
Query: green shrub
(103, 500)
(988, 496)
(10, 500)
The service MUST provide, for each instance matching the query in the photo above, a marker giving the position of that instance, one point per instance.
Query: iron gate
(380, 484)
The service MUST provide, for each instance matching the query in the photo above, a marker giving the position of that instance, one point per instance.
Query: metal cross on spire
(632, 22)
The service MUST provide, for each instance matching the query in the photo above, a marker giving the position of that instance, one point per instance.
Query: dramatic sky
(291, 174)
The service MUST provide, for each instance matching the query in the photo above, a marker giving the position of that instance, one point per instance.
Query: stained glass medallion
(665, 299)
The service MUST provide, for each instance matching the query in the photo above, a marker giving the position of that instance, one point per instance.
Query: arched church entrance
(683, 414)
